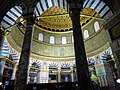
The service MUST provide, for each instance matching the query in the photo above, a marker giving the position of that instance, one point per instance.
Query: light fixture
(118, 80)
(0, 83)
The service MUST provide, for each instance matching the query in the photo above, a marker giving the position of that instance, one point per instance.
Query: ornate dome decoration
(58, 20)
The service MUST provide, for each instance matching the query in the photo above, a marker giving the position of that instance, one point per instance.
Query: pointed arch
(43, 5)
(99, 6)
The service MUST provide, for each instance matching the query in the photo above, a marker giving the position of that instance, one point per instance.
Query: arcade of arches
(46, 42)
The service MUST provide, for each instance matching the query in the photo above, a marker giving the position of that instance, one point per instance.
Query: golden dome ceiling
(58, 20)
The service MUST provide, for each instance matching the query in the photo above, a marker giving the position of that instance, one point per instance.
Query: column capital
(4, 59)
(75, 4)
(75, 7)
(28, 6)
(59, 69)
(74, 13)
(30, 18)
(4, 32)
(71, 68)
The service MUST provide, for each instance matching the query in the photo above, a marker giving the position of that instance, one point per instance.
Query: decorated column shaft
(59, 74)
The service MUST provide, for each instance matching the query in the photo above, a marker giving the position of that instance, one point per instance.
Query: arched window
(52, 40)
(86, 34)
(40, 37)
(96, 26)
(64, 40)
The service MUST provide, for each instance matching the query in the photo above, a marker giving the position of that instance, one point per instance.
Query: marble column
(1, 41)
(72, 74)
(2, 60)
(59, 74)
(80, 54)
(22, 73)
(14, 71)
(38, 77)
